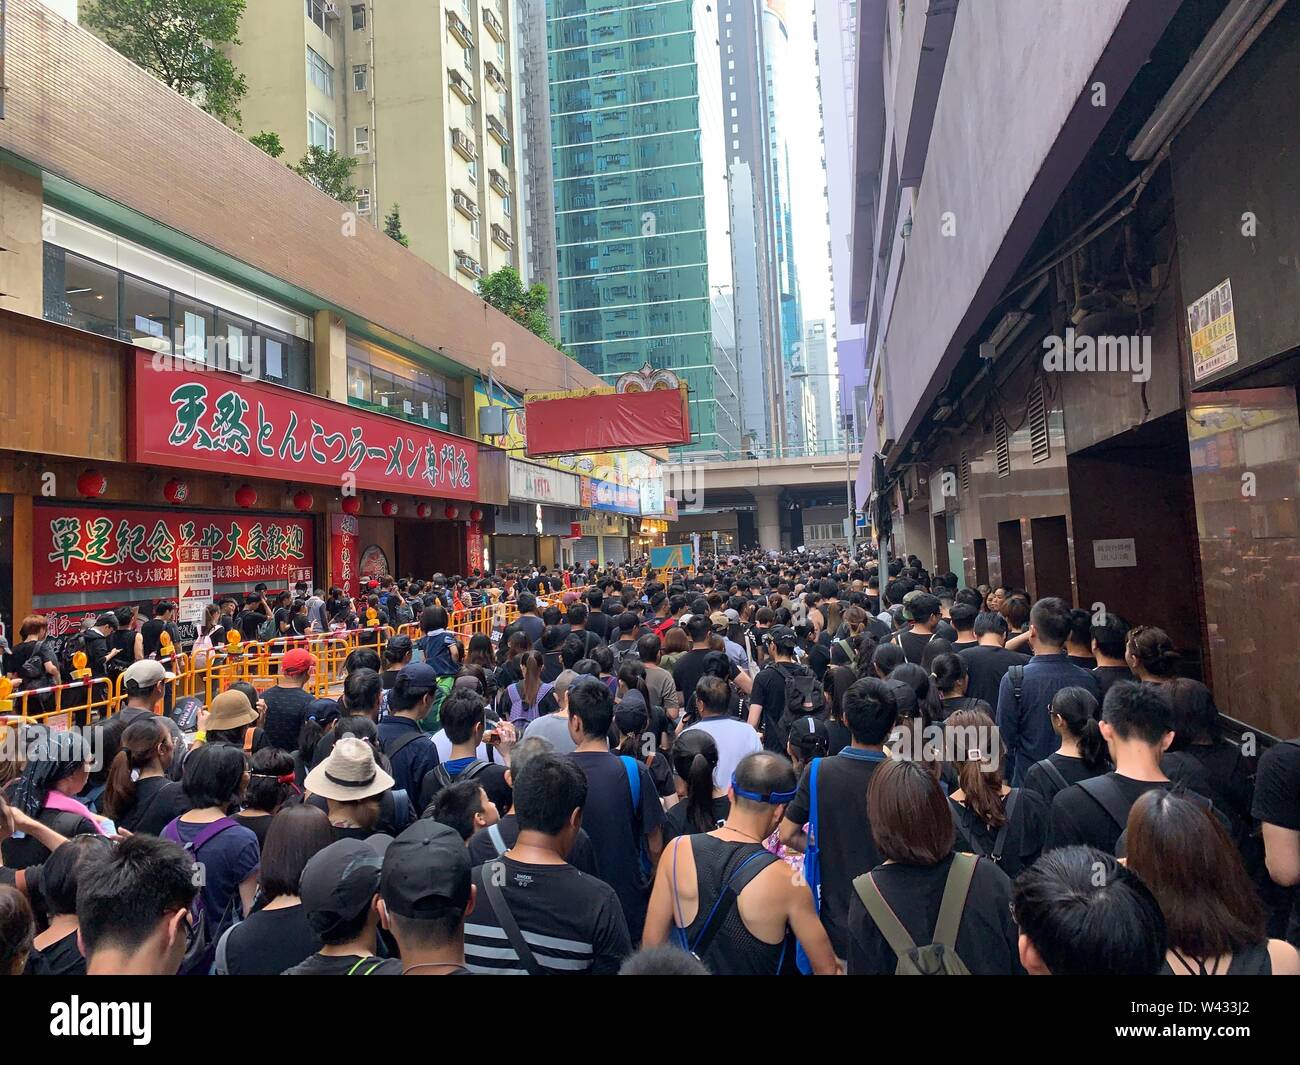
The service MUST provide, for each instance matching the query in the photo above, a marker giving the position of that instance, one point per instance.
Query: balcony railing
(460, 86)
(459, 30)
(497, 128)
(467, 264)
(501, 236)
(493, 24)
(464, 145)
(494, 75)
(499, 182)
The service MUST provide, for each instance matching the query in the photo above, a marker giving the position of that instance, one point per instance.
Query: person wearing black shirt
(842, 834)
(288, 699)
(278, 935)
(151, 631)
(1137, 724)
(1082, 753)
(54, 950)
(627, 834)
(464, 720)
(924, 609)
(988, 661)
(912, 826)
(1082, 913)
(1109, 639)
(593, 616)
(1277, 807)
(769, 700)
(569, 922)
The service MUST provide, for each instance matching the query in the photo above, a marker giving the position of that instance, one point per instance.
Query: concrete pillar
(330, 356)
(768, 506)
(22, 257)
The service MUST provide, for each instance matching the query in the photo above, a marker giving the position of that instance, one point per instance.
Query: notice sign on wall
(194, 582)
(1114, 554)
(1213, 329)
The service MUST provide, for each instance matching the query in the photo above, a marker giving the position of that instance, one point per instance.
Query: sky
(811, 232)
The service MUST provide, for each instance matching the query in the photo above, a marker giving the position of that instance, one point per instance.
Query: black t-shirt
(286, 710)
(840, 736)
(1277, 802)
(572, 922)
(270, 942)
(1073, 769)
(482, 848)
(60, 958)
(986, 666)
(1108, 675)
(687, 671)
(948, 707)
(769, 692)
(598, 622)
(151, 632)
(616, 830)
(1077, 817)
(915, 643)
(32, 878)
(492, 779)
(676, 824)
(1083, 661)
(844, 838)
(987, 938)
(158, 800)
(348, 965)
(1025, 832)
(257, 823)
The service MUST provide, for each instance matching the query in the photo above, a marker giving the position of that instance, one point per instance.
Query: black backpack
(803, 695)
(33, 667)
(71, 645)
(437, 778)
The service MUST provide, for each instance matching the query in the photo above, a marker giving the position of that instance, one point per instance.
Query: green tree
(269, 142)
(393, 227)
(181, 43)
(330, 172)
(505, 291)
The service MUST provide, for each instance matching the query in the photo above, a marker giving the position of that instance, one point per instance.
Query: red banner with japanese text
(473, 547)
(187, 417)
(80, 549)
(345, 551)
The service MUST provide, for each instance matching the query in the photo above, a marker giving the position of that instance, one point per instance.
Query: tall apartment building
(822, 430)
(837, 31)
(421, 95)
(641, 196)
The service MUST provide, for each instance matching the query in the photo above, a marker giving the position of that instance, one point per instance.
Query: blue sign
(615, 498)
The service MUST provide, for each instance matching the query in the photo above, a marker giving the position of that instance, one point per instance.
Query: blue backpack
(633, 769)
(812, 861)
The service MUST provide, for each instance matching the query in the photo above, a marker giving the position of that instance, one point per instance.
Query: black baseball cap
(338, 882)
(426, 869)
(783, 636)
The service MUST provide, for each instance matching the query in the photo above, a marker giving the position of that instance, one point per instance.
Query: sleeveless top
(735, 951)
(1254, 961)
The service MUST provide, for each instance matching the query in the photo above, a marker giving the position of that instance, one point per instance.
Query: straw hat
(349, 773)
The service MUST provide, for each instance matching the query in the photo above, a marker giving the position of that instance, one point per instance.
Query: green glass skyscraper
(641, 198)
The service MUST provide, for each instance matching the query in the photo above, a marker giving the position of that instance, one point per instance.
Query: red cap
(297, 661)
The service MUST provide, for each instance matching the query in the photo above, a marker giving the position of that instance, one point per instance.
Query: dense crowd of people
(779, 764)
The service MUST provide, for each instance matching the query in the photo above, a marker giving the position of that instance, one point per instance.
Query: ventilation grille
(1002, 446)
(1040, 447)
(964, 471)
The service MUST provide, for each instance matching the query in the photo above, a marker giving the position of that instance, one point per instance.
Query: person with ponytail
(271, 783)
(528, 698)
(632, 676)
(701, 807)
(632, 738)
(1074, 713)
(1151, 656)
(140, 795)
(58, 766)
(949, 676)
(993, 820)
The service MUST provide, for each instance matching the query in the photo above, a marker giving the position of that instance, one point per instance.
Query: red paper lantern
(476, 514)
(452, 512)
(176, 491)
(246, 496)
(389, 508)
(92, 484)
(423, 510)
(351, 505)
(302, 499)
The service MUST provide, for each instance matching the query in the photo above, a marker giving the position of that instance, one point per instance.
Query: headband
(773, 798)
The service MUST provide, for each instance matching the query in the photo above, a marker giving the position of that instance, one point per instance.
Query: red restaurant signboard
(600, 420)
(82, 549)
(187, 417)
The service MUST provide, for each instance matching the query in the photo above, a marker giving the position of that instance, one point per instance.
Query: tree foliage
(393, 227)
(505, 291)
(269, 142)
(330, 172)
(181, 43)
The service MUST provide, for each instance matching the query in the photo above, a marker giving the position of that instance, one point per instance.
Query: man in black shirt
(340, 893)
(1109, 638)
(769, 700)
(425, 894)
(597, 621)
(287, 701)
(689, 668)
(569, 923)
(151, 631)
(1137, 722)
(1081, 913)
(988, 661)
(1277, 808)
(842, 832)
